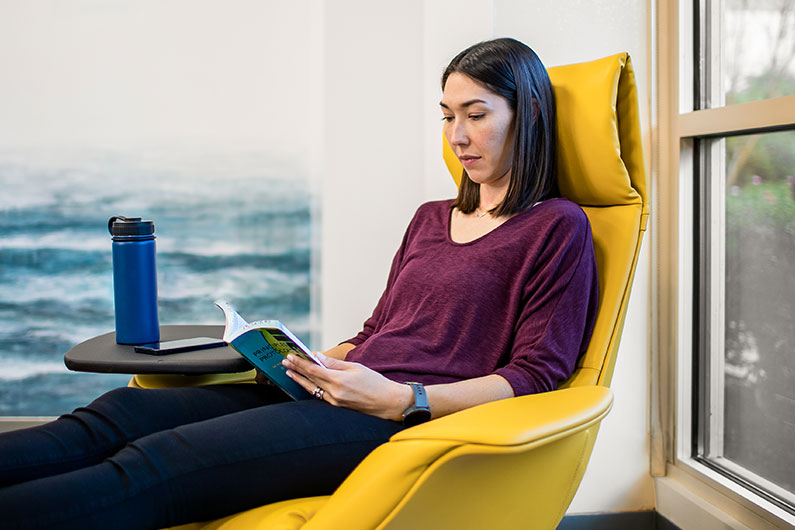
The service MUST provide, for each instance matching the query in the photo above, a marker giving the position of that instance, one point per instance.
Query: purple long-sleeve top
(519, 301)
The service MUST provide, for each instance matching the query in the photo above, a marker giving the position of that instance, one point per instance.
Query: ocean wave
(54, 312)
(54, 393)
(56, 240)
(252, 280)
(50, 342)
(15, 263)
(291, 261)
(80, 278)
(178, 303)
(26, 315)
(227, 242)
(75, 275)
(19, 369)
(66, 287)
(72, 204)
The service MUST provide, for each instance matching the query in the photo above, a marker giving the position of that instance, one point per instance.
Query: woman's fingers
(350, 385)
(309, 375)
(310, 385)
(307, 368)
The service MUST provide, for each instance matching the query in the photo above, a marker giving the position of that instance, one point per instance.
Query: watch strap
(420, 397)
(419, 411)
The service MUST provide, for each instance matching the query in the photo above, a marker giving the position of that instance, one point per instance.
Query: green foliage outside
(760, 310)
(771, 156)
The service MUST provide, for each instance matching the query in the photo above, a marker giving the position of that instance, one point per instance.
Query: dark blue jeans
(155, 458)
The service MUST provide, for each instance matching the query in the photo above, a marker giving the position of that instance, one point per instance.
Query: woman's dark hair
(513, 70)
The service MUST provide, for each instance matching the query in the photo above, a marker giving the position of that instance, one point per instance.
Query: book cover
(265, 343)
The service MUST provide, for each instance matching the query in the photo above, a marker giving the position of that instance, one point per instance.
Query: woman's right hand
(351, 385)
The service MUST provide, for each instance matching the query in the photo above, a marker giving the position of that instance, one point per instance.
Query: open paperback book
(265, 344)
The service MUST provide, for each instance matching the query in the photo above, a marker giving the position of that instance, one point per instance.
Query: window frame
(680, 122)
(709, 270)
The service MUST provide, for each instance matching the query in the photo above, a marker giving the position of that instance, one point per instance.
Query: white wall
(381, 157)
(372, 169)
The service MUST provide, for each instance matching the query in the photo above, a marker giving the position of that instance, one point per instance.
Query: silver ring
(318, 392)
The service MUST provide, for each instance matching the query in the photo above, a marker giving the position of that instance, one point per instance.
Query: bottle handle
(112, 220)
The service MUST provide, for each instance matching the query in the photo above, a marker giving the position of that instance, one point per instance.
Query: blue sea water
(235, 227)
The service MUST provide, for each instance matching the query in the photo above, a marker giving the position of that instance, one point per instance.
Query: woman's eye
(447, 118)
(476, 116)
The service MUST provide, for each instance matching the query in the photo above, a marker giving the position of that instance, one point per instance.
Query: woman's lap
(207, 468)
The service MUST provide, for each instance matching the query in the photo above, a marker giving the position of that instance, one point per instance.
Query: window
(192, 114)
(746, 350)
(740, 138)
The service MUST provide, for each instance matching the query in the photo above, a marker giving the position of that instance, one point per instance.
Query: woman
(490, 295)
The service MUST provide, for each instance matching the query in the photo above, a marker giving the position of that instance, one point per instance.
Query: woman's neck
(491, 196)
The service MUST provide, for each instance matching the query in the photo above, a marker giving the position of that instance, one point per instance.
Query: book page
(234, 322)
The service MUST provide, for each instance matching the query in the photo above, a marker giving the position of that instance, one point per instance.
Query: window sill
(694, 496)
(12, 423)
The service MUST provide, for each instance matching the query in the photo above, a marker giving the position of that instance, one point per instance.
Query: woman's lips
(468, 160)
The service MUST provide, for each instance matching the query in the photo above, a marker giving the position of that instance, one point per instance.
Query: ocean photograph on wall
(194, 127)
(220, 233)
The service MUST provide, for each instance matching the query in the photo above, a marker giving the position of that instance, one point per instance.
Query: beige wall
(380, 157)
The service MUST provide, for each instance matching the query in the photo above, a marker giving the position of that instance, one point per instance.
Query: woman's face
(478, 125)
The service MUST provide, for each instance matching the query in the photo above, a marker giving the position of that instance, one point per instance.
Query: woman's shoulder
(435, 207)
(561, 206)
(433, 211)
(554, 222)
(556, 212)
(429, 216)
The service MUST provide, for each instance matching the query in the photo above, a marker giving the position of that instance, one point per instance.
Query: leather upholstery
(170, 380)
(514, 463)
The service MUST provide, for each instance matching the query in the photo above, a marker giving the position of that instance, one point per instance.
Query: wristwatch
(419, 411)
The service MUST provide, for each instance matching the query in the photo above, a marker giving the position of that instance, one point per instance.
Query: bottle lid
(130, 226)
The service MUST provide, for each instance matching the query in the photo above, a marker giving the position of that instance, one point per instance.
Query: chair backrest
(600, 167)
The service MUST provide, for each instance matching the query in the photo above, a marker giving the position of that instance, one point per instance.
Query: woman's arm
(340, 351)
(354, 386)
(452, 397)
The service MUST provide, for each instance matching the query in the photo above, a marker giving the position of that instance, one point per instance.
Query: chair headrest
(600, 155)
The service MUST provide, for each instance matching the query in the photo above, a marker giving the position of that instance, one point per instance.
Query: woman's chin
(476, 177)
(481, 179)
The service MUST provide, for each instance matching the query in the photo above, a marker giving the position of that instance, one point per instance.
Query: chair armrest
(519, 420)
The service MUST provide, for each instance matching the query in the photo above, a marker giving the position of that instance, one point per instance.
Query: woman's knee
(114, 397)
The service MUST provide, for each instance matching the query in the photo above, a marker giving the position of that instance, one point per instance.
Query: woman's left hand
(351, 385)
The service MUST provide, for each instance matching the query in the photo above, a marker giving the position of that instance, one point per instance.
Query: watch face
(416, 416)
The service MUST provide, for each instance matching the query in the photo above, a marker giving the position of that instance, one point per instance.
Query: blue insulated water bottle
(134, 280)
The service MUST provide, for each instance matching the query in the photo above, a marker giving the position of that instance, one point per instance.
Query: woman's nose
(458, 134)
